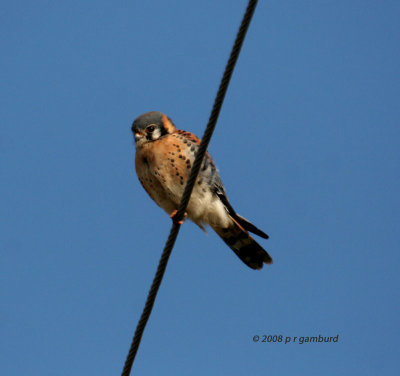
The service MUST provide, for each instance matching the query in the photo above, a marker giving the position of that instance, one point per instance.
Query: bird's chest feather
(163, 167)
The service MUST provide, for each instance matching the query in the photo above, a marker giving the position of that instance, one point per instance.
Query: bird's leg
(173, 215)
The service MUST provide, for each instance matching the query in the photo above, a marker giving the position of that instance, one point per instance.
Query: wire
(189, 186)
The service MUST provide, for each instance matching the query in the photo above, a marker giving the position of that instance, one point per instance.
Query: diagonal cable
(189, 186)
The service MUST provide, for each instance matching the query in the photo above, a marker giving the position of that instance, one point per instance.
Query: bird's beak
(138, 135)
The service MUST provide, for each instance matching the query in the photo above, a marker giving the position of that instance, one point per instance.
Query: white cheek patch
(156, 134)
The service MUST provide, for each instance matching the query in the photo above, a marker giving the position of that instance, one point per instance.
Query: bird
(163, 159)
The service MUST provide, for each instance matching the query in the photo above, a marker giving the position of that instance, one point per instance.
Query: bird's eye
(150, 128)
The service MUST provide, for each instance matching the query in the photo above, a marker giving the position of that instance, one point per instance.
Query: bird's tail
(238, 239)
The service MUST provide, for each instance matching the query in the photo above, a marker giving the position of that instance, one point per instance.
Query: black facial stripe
(163, 131)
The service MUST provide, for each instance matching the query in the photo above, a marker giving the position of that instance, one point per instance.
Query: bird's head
(151, 126)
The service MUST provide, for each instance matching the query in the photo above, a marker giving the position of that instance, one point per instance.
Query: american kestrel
(164, 157)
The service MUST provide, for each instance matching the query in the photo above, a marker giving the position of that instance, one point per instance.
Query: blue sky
(308, 148)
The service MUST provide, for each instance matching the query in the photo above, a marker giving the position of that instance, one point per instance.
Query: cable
(189, 186)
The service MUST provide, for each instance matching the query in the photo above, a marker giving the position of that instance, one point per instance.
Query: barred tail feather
(245, 247)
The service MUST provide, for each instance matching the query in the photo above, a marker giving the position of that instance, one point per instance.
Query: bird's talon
(173, 215)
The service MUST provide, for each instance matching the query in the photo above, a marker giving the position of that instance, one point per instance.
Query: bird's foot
(173, 215)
